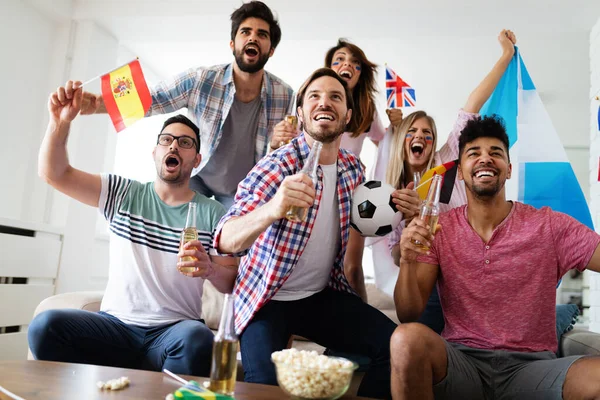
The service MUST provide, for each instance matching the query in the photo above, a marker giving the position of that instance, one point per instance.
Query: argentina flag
(541, 172)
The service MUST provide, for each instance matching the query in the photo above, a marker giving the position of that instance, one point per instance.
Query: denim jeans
(336, 320)
(86, 337)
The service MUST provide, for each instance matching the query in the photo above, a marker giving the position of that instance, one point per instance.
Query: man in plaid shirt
(305, 278)
(236, 105)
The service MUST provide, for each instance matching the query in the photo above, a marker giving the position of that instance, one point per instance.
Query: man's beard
(249, 68)
(485, 191)
(172, 178)
(322, 134)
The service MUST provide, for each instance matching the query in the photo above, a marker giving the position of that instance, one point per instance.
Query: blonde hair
(395, 167)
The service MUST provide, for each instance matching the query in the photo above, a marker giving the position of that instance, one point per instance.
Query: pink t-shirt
(502, 294)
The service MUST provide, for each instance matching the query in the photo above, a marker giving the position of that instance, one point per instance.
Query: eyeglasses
(185, 142)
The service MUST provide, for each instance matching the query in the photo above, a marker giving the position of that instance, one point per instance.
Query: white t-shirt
(144, 287)
(312, 272)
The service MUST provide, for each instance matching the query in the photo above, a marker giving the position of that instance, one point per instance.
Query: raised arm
(238, 233)
(53, 161)
(484, 90)
(415, 280)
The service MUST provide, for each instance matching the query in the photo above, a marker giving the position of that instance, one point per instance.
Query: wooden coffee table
(46, 380)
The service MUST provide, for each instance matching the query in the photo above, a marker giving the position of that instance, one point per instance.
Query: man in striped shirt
(236, 105)
(150, 316)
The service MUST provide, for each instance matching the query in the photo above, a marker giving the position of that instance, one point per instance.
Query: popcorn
(114, 384)
(306, 374)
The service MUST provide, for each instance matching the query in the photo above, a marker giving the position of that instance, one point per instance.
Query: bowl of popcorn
(309, 375)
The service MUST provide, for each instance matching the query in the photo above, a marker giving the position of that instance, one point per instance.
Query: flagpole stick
(101, 75)
(424, 182)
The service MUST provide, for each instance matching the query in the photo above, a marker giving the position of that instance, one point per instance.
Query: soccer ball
(373, 212)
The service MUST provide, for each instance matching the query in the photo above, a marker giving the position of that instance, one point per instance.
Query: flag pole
(101, 75)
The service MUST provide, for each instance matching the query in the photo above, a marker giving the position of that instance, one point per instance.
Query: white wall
(593, 298)
(28, 41)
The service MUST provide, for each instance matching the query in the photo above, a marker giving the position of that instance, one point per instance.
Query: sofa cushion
(579, 342)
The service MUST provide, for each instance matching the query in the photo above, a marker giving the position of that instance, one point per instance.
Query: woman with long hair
(410, 149)
(352, 65)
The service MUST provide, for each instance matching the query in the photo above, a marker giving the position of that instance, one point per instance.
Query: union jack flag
(398, 92)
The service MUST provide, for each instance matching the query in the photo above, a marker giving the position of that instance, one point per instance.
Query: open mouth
(346, 74)
(323, 117)
(172, 162)
(484, 173)
(417, 149)
(251, 51)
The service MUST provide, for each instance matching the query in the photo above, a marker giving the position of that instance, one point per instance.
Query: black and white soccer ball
(373, 212)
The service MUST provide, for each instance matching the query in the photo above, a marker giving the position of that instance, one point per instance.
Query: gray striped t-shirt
(144, 287)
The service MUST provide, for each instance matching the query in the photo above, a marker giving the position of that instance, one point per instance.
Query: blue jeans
(433, 316)
(336, 320)
(86, 337)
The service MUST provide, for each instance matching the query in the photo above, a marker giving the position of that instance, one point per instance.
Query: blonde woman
(411, 148)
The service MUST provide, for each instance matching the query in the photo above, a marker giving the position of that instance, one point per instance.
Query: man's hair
(182, 119)
(489, 126)
(364, 92)
(256, 9)
(321, 72)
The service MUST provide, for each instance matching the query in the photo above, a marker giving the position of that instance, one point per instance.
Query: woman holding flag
(412, 149)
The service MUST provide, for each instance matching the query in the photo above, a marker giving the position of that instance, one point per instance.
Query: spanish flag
(448, 172)
(126, 95)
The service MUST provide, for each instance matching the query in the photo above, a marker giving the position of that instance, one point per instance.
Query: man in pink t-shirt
(497, 263)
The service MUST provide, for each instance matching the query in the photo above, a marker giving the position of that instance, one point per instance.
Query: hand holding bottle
(295, 190)
(198, 262)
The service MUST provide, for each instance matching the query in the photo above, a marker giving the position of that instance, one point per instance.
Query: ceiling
(162, 31)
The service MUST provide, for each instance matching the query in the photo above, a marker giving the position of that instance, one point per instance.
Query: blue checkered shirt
(208, 94)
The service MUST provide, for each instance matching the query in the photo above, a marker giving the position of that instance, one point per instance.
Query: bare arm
(240, 232)
(484, 90)
(353, 263)
(53, 161)
(225, 271)
(415, 280)
(220, 271)
(594, 264)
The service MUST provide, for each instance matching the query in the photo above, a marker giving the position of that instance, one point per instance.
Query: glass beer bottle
(189, 233)
(416, 179)
(223, 369)
(295, 213)
(430, 210)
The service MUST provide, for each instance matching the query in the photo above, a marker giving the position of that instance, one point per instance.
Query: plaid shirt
(208, 95)
(270, 260)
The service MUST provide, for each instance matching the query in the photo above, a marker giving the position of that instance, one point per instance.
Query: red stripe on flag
(111, 105)
(140, 84)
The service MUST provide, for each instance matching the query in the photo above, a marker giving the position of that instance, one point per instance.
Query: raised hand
(91, 103)
(395, 115)
(407, 201)
(295, 190)
(507, 41)
(202, 263)
(65, 103)
(283, 132)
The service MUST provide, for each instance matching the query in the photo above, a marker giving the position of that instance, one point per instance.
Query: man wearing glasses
(150, 316)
